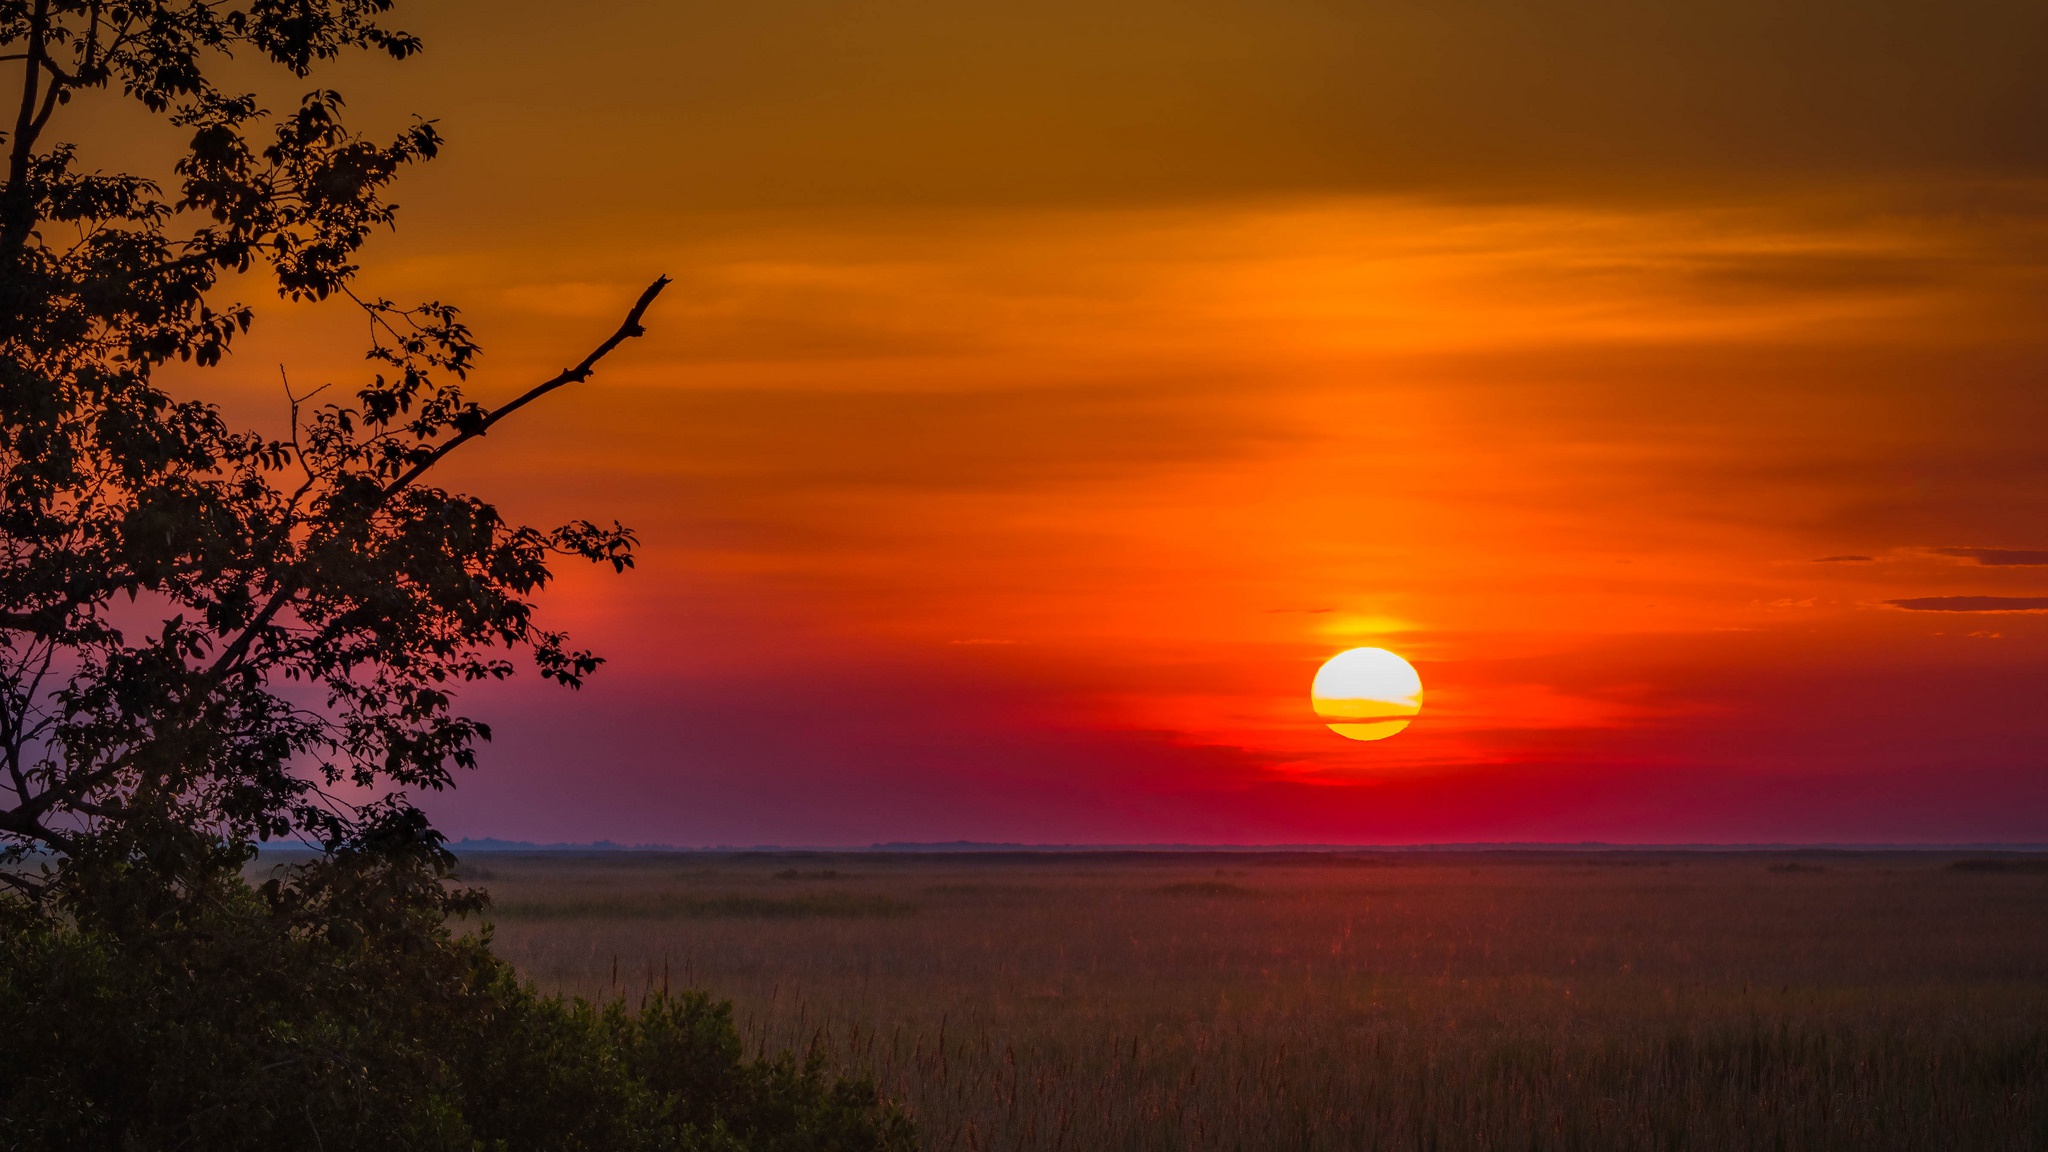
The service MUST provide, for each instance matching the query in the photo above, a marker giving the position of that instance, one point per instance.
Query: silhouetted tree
(204, 630)
(164, 578)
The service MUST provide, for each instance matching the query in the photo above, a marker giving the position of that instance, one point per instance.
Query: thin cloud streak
(1998, 557)
(1972, 604)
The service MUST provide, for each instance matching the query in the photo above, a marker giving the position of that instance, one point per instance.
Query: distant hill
(493, 844)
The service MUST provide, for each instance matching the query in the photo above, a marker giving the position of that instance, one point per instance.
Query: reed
(1488, 1001)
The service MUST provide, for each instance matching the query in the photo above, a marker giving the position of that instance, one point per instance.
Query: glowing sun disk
(1366, 693)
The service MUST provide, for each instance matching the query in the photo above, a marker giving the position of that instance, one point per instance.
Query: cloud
(1748, 276)
(1845, 560)
(1972, 604)
(1998, 557)
(1074, 100)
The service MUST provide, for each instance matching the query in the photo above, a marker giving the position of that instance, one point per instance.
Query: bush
(332, 1008)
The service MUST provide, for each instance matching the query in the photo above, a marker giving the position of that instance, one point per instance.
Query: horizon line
(970, 847)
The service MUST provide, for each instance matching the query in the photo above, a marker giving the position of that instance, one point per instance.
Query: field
(1401, 1001)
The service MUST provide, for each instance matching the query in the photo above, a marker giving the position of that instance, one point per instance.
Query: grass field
(1411, 1001)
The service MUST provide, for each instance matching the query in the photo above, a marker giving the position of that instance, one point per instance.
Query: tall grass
(1227, 1002)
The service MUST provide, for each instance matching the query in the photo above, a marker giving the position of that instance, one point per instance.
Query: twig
(291, 586)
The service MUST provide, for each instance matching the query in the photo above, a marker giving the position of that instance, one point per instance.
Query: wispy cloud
(1997, 557)
(1972, 604)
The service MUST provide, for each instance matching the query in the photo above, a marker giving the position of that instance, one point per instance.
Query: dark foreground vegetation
(331, 1007)
(213, 637)
(1490, 1001)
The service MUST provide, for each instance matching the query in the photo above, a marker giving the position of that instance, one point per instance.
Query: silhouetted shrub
(332, 1008)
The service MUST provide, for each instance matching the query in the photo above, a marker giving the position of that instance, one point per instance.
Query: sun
(1366, 693)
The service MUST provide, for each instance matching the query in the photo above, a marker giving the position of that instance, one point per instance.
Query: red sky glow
(1046, 391)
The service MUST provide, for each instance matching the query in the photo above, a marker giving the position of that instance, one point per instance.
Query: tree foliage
(204, 630)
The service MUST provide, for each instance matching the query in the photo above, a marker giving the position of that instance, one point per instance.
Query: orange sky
(1046, 390)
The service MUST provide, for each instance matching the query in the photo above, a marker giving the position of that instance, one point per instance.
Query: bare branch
(627, 330)
(291, 586)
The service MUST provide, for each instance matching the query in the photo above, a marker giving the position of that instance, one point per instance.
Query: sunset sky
(1048, 389)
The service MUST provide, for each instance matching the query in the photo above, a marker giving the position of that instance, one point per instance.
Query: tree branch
(291, 587)
(627, 330)
(63, 78)
(20, 204)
